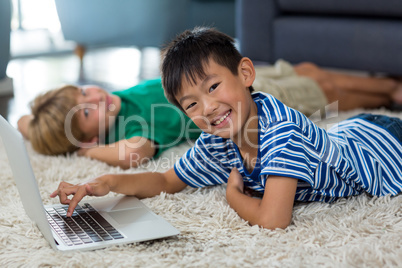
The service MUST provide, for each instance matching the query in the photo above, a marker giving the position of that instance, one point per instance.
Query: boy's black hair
(188, 53)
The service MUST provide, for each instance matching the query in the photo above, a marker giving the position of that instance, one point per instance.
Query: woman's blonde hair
(47, 131)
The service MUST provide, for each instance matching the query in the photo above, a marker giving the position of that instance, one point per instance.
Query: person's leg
(283, 83)
(392, 124)
(353, 91)
(349, 100)
(397, 95)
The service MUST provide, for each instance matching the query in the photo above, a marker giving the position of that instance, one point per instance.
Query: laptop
(96, 223)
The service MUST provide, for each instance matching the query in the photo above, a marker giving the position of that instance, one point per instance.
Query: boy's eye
(86, 112)
(191, 105)
(214, 86)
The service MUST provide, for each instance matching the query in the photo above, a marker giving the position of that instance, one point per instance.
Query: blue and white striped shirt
(352, 157)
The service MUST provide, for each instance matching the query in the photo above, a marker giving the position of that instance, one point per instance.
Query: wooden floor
(112, 68)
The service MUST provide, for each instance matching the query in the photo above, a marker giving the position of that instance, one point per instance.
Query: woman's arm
(124, 153)
(274, 210)
(23, 124)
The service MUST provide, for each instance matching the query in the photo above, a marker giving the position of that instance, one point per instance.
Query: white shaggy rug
(355, 232)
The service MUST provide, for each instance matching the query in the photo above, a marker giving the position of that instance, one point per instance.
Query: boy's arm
(124, 153)
(23, 124)
(274, 210)
(141, 185)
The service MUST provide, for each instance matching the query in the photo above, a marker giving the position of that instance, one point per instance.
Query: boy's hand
(96, 187)
(83, 151)
(85, 147)
(23, 125)
(235, 181)
(273, 211)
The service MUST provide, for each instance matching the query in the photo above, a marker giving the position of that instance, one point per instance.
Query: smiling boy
(255, 141)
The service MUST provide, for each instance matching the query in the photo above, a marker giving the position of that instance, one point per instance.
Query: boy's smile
(222, 120)
(220, 103)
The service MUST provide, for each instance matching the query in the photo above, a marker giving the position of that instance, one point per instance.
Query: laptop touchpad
(127, 216)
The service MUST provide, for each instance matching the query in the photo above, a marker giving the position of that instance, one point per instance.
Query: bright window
(38, 14)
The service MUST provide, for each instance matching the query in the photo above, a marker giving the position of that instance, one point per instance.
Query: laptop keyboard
(85, 226)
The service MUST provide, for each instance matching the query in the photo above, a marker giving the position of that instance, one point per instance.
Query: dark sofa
(349, 34)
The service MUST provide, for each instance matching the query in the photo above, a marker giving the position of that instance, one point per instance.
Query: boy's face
(220, 103)
(97, 110)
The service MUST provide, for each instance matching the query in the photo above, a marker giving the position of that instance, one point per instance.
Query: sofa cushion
(343, 7)
(360, 44)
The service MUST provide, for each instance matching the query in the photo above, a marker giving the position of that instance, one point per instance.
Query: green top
(146, 112)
